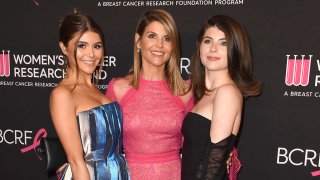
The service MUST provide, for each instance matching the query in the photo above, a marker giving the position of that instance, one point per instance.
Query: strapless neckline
(206, 120)
(97, 107)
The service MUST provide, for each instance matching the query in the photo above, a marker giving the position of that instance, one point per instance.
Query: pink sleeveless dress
(152, 139)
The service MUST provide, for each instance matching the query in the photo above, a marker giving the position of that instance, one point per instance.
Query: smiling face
(155, 45)
(213, 50)
(89, 52)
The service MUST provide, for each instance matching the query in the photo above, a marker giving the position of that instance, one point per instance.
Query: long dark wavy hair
(239, 58)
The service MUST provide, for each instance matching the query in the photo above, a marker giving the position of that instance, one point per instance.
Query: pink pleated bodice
(152, 120)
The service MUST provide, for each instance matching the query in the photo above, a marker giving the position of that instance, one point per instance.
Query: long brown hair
(172, 71)
(239, 58)
(75, 24)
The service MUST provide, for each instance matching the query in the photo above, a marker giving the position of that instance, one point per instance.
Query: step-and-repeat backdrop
(280, 134)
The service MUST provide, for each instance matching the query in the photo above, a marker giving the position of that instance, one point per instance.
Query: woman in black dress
(221, 78)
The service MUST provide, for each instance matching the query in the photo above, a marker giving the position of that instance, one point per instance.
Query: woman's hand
(229, 162)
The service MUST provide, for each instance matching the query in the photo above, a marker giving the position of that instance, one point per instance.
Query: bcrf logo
(298, 70)
(299, 157)
(5, 64)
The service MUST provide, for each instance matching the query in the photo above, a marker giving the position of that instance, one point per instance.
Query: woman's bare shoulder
(228, 93)
(61, 93)
(123, 82)
(229, 90)
(121, 86)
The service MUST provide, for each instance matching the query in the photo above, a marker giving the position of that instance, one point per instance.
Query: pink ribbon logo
(36, 142)
(315, 173)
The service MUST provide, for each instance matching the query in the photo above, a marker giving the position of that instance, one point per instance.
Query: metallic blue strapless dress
(101, 135)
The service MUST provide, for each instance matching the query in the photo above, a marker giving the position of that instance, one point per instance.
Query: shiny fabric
(101, 135)
(152, 120)
(235, 165)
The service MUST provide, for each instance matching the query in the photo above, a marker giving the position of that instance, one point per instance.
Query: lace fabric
(213, 163)
(156, 171)
(152, 120)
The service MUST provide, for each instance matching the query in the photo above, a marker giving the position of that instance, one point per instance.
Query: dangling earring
(65, 65)
(139, 50)
(95, 77)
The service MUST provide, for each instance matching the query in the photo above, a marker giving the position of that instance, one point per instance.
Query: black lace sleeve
(213, 163)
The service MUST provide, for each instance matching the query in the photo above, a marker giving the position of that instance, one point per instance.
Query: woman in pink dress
(153, 100)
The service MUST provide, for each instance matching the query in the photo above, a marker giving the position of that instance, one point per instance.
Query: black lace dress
(202, 159)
